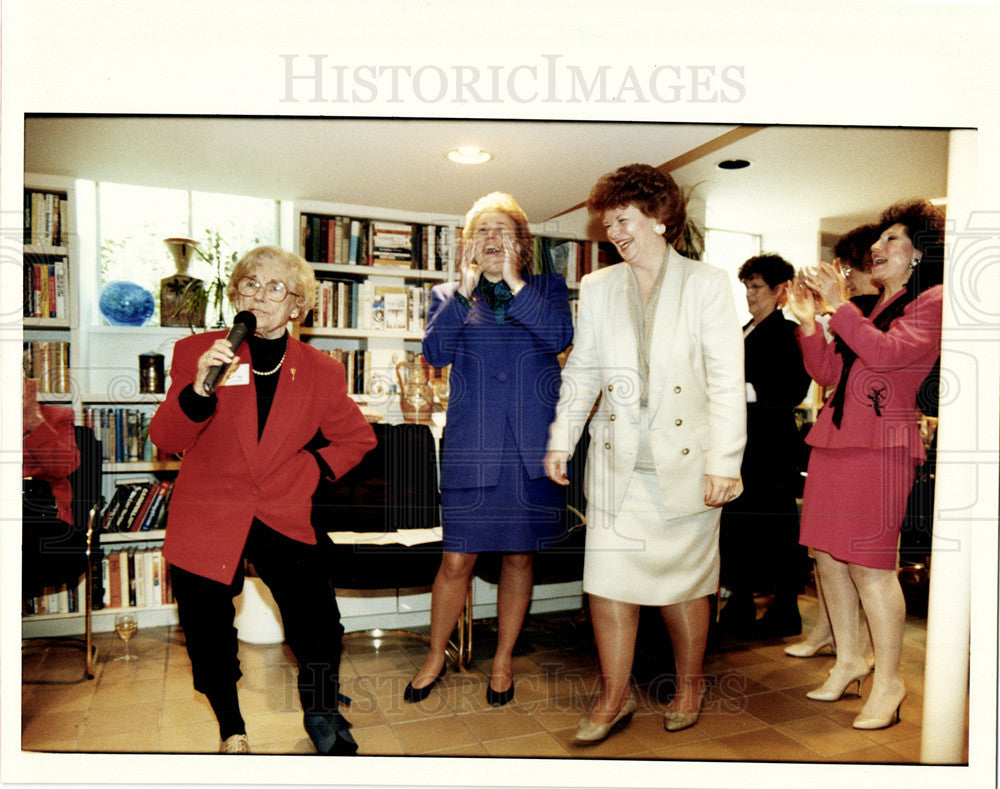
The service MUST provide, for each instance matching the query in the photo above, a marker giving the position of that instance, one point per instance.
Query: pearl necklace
(274, 369)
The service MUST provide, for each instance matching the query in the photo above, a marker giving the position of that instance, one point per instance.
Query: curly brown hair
(652, 191)
(855, 246)
(924, 225)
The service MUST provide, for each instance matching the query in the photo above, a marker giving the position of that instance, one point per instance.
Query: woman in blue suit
(501, 329)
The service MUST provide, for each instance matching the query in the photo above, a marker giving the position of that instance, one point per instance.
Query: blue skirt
(517, 515)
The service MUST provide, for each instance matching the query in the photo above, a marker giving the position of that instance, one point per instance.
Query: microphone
(243, 324)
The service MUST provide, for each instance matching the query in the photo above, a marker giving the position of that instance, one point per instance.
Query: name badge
(237, 376)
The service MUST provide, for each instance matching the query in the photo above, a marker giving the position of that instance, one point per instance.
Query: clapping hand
(828, 284)
(468, 271)
(511, 274)
(802, 303)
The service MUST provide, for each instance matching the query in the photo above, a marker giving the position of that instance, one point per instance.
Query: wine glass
(125, 627)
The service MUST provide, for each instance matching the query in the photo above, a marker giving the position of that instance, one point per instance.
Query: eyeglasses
(274, 291)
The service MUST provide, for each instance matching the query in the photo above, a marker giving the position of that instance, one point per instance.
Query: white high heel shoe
(805, 649)
(836, 685)
(882, 718)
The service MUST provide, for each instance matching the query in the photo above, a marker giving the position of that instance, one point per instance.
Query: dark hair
(772, 268)
(855, 246)
(652, 191)
(925, 228)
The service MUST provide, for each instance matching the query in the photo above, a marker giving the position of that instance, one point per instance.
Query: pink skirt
(854, 502)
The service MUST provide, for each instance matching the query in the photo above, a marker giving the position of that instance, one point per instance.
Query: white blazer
(697, 395)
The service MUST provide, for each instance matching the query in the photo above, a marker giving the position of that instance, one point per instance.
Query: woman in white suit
(658, 341)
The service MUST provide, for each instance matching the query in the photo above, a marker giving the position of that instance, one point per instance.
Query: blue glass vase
(126, 303)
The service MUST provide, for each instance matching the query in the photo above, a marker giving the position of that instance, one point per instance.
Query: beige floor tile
(722, 722)
(755, 708)
(908, 749)
(74, 698)
(464, 750)
(179, 711)
(824, 736)
(433, 734)
(768, 745)
(46, 727)
(500, 724)
(114, 696)
(128, 717)
(135, 741)
(538, 744)
(775, 707)
(875, 754)
(190, 738)
(697, 750)
(377, 741)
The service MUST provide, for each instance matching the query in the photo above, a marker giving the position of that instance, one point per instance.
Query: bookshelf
(50, 271)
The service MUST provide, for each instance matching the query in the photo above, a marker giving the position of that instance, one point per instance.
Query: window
(729, 249)
(133, 221)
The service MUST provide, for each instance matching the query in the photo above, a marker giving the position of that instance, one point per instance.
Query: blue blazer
(501, 374)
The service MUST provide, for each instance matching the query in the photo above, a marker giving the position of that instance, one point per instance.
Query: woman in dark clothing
(760, 530)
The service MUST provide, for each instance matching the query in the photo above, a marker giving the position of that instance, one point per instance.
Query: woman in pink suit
(245, 486)
(876, 364)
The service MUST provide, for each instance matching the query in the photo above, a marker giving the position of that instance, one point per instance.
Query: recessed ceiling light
(469, 154)
(733, 164)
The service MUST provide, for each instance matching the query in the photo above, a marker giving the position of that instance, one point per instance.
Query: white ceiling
(821, 177)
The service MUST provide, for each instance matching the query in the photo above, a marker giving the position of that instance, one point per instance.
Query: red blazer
(228, 477)
(51, 454)
(888, 372)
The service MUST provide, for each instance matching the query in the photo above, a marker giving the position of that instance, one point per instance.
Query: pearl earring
(659, 228)
(915, 262)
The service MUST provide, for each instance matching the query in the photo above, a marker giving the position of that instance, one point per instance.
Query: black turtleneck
(264, 356)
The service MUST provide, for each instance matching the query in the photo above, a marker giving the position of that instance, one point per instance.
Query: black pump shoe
(497, 698)
(413, 695)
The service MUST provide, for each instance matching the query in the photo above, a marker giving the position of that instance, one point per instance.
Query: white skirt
(642, 557)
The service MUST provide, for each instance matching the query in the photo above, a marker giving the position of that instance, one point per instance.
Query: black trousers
(299, 578)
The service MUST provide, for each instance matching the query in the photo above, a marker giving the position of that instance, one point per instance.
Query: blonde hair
(502, 203)
(301, 280)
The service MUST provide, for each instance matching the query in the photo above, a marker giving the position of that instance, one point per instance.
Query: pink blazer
(228, 477)
(880, 404)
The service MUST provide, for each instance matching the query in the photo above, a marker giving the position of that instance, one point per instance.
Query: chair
(74, 548)
(393, 488)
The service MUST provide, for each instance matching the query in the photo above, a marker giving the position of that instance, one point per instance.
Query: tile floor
(756, 709)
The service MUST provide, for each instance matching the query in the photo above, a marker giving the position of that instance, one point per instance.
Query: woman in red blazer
(244, 491)
(876, 364)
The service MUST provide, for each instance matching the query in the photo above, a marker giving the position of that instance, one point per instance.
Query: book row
(46, 289)
(48, 361)
(134, 578)
(346, 241)
(572, 259)
(62, 599)
(130, 578)
(137, 505)
(372, 372)
(370, 306)
(123, 433)
(44, 218)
